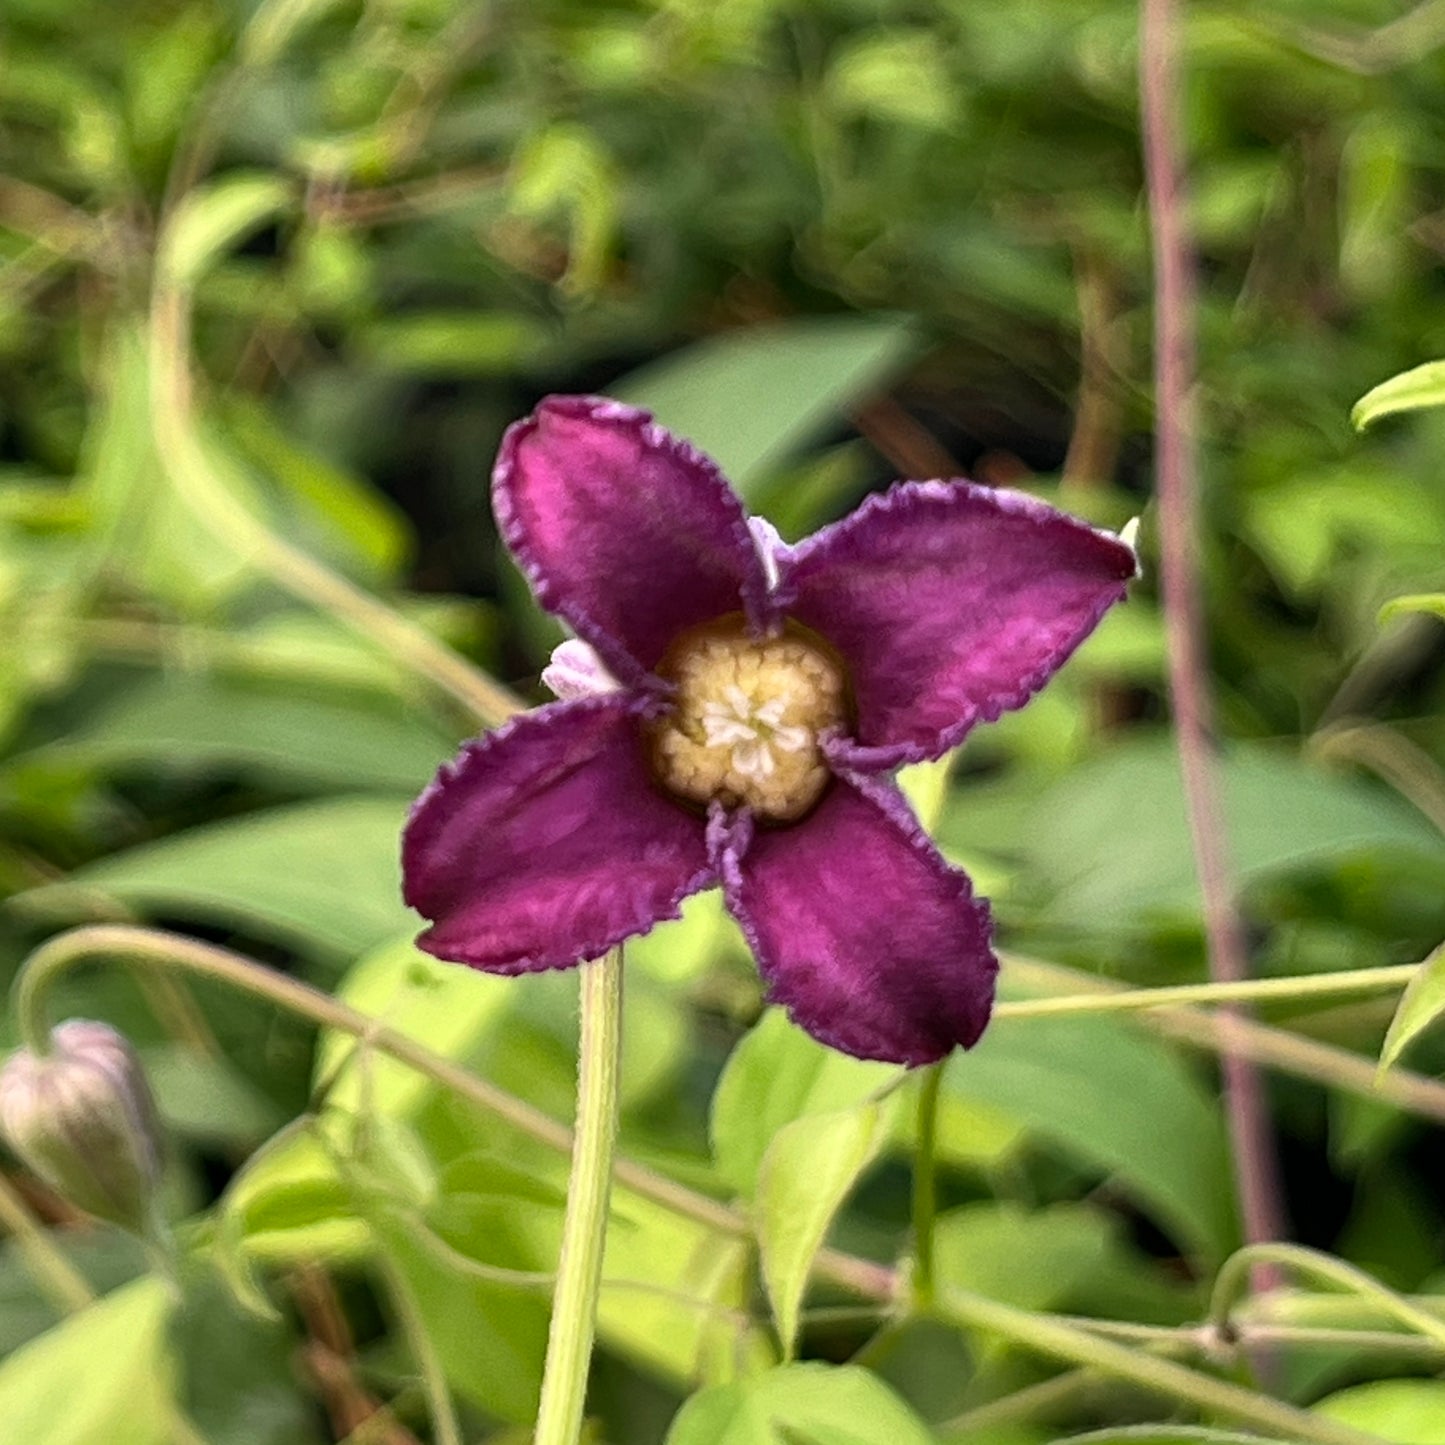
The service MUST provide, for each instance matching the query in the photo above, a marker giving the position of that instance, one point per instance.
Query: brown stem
(902, 442)
(329, 1357)
(1098, 415)
(1256, 1172)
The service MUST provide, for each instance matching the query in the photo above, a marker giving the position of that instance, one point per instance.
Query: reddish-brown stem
(1256, 1174)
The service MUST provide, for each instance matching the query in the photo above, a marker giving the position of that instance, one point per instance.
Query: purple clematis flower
(731, 711)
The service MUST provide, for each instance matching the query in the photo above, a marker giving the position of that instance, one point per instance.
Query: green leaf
(565, 171)
(1164, 1435)
(1306, 522)
(207, 1098)
(812, 1403)
(1375, 205)
(446, 1007)
(213, 217)
(811, 1167)
(324, 875)
(1110, 843)
(288, 1204)
(1432, 603)
(204, 722)
(1422, 386)
(676, 1294)
(775, 1075)
(1102, 1091)
(1421, 1004)
(140, 527)
(749, 398)
(1404, 1412)
(925, 785)
(446, 344)
(490, 1337)
(896, 75)
(1036, 1259)
(272, 27)
(330, 510)
(103, 1374)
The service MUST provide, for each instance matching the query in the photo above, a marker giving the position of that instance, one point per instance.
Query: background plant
(272, 281)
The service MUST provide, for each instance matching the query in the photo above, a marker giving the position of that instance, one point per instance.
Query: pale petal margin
(624, 530)
(546, 842)
(874, 944)
(951, 603)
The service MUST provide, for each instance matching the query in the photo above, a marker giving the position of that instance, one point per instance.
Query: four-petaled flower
(732, 711)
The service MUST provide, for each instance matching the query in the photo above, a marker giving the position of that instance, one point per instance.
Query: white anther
(771, 547)
(576, 671)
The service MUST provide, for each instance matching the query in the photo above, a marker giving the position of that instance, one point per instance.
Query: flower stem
(925, 1185)
(1257, 1181)
(584, 1226)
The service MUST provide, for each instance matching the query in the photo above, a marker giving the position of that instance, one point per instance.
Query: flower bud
(82, 1118)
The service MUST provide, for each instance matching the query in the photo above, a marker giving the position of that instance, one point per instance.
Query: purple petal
(873, 942)
(545, 842)
(951, 603)
(624, 530)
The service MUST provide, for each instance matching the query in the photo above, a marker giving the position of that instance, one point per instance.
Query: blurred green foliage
(832, 241)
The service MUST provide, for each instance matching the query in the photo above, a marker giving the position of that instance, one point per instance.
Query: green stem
(1257, 990)
(56, 1276)
(1233, 1278)
(584, 1226)
(925, 1186)
(1050, 1336)
(291, 567)
(447, 1429)
(1032, 1403)
(152, 948)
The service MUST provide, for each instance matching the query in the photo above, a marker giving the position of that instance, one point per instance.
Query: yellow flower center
(747, 718)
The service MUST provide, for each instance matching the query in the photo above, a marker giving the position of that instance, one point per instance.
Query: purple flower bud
(82, 1118)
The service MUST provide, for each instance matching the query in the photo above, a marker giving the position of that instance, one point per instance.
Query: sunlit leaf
(808, 1172)
(775, 1075)
(1163, 1435)
(213, 217)
(1432, 603)
(803, 1404)
(1036, 1259)
(444, 344)
(1420, 1006)
(1409, 391)
(489, 1336)
(103, 1374)
(445, 1007)
(1404, 1412)
(895, 75)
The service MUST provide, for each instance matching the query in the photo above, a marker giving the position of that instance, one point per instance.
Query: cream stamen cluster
(746, 721)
